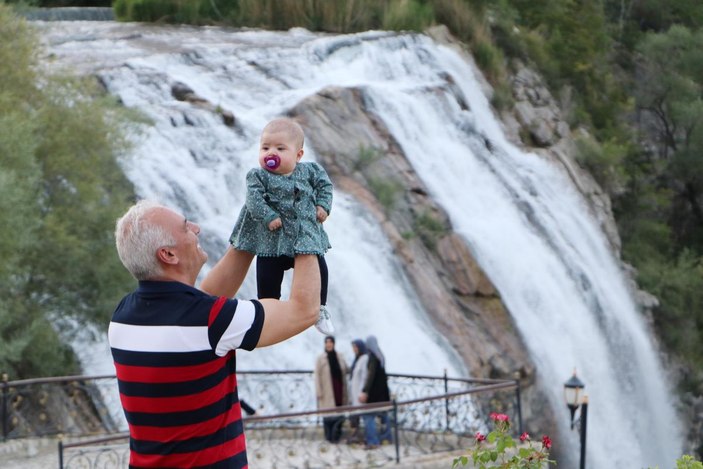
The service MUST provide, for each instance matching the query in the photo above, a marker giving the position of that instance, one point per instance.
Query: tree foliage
(60, 193)
(670, 97)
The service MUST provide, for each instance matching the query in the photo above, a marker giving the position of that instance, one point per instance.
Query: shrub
(498, 449)
(386, 191)
(408, 15)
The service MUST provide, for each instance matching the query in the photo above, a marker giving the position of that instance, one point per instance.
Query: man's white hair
(138, 237)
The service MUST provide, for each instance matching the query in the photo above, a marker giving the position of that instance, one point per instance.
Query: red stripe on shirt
(168, 374)
(161, 405)
(204, 457)
(185, 432)
(215, 310)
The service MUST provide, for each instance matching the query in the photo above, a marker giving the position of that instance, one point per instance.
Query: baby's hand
(275, 224)
(321, 214)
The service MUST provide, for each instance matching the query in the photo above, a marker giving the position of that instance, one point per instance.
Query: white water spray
(528, 227)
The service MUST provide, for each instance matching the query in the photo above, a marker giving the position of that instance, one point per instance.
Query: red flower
(524, 436)
(480, 437)
(499, 417)
(546, 442)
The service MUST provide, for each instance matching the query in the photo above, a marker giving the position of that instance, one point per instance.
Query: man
(331, 387)
(173, 345)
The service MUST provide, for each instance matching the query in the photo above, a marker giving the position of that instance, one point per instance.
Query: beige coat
(323, 381)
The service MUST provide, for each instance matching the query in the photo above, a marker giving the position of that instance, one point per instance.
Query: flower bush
(686, 462)
(499, 450)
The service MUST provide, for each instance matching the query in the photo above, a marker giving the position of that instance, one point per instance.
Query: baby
(287, 202)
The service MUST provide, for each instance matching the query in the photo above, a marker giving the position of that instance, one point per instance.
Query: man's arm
(228, 274)
(284, 319)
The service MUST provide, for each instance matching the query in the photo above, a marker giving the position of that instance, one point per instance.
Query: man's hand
(321, 214)
(275, 224)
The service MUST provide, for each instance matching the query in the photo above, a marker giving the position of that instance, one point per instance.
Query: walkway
(42, 453)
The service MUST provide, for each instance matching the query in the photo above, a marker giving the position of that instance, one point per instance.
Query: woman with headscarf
(331, 387)
(357, 373)
(375, 390)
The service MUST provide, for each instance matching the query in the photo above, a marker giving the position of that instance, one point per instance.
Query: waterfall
(520, 214)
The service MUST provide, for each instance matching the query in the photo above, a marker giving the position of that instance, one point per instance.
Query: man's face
(191, 256)
(279, 152)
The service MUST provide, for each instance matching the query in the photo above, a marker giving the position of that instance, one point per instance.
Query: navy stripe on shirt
(191, 417)
(229, 432)
(159, 359)
(176, 389)
(251, 338)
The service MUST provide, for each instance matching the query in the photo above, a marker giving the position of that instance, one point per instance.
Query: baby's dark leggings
(269, 276)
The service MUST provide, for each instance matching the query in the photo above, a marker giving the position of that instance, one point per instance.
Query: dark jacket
(376, 386)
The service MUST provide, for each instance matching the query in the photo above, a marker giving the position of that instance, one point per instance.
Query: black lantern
(573, 395)
(575, 398)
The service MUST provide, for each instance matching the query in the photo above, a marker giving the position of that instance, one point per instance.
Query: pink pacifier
(272, 162)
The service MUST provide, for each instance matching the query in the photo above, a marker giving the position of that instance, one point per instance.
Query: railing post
(583, 418)
(5, 430)
(60, 452)
(446, 401)
(395, 428)
(519, 406)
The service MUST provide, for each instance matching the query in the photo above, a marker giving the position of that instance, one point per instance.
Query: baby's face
(279, 152)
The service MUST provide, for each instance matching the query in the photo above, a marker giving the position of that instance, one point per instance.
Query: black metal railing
(428, 414)
(70, 405)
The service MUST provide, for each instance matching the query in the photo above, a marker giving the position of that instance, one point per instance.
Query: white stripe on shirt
(158, 338)
(237, 329)
(181, 338)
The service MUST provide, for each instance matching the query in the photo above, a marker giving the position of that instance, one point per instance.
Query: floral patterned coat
(293, 198)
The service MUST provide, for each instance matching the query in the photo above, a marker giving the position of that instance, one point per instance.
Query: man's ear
(167, 256)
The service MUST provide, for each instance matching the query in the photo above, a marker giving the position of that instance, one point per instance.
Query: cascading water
(521, 216)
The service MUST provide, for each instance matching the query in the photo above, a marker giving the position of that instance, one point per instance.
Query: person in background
(331, 387)
(287, 202)
(375, 390)
(174, 345)
(357, 378)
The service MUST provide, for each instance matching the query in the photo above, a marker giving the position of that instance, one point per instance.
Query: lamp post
(575, 398)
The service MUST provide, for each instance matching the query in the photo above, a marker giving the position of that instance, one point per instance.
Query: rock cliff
(363, 159)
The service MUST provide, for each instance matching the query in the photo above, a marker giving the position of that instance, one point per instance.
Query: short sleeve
(238, 325)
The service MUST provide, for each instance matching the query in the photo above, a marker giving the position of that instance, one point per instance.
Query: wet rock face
(363, 160)
(358, 152)
(183, 92)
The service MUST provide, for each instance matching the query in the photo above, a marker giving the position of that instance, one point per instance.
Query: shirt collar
(154, 286)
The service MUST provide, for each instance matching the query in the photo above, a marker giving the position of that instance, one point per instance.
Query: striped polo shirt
(173, 348)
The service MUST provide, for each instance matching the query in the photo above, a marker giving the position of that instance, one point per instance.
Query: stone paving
(42, 453)
(34, 453)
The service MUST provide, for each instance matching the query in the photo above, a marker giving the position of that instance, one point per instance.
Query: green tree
(669, 94)
(679, 318)
(60, 193)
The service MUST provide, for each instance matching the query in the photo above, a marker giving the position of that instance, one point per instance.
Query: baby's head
(281, 146)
